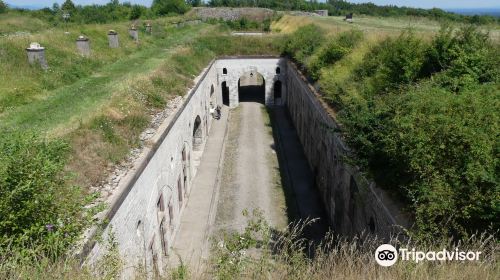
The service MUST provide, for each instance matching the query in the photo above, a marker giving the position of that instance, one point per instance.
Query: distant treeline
(110, 12)
(115, 11)
(69, 12)
(340, 7)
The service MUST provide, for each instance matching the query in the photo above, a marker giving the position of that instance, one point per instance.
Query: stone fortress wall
(144, 213)
(353, 203)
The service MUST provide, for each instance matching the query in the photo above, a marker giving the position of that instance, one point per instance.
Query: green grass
(80, 100)
(373, 26)
(15, 22)
(66, 65)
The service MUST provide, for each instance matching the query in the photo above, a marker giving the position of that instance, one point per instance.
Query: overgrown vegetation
(245, 24)
(261, 252)
(334, 50)
(422, 117)
(165, 7)
(38, 208)
(44, 265)
(302, 44)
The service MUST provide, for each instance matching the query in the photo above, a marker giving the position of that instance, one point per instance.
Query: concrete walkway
(191, 242)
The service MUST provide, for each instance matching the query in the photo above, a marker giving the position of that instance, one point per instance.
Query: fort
(286, 140)
(147, 210)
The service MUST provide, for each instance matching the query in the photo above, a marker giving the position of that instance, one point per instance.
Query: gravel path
(251, 178)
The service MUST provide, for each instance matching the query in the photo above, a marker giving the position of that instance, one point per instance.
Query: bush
(137, 11)
(466, 57)
(448, 146)
(303, 42)
(165, 7)
(38, 208)
(394, 63)
(333, 51)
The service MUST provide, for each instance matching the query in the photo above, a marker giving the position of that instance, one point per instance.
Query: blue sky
(445, 4)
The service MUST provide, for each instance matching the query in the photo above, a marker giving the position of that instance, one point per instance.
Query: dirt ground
(251, 171)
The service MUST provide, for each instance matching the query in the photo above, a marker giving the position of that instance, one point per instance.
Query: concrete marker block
(83, 45)
(113, 39)
(36, 53)
(134, 33)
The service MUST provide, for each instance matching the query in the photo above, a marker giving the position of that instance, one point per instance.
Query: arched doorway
(225, 94)
(197, 134)
(277, 93)
(252, 88)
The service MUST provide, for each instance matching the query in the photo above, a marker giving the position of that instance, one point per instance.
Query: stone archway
(252, 87)
(197, 134)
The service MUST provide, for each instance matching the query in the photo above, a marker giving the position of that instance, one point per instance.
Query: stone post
(113, 39)
(36, 53)
(134, 33)
(149, 28)
(83, 45)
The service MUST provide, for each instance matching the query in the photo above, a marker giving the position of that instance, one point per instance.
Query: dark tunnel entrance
(225, 94)
(252, 88)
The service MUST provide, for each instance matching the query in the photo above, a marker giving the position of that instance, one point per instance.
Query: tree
(55, 7)
(68, 6)
(164, 7)
(3, 7)
(137, 11)
(194, 3)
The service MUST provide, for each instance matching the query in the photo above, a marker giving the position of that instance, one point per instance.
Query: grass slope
(81, 100)
(388, 26)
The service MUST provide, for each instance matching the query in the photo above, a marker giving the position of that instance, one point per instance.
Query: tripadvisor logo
(387, 255)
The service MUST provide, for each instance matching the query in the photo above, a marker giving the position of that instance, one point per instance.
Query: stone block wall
(230, 70)
(353, 203)
(145, 212)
